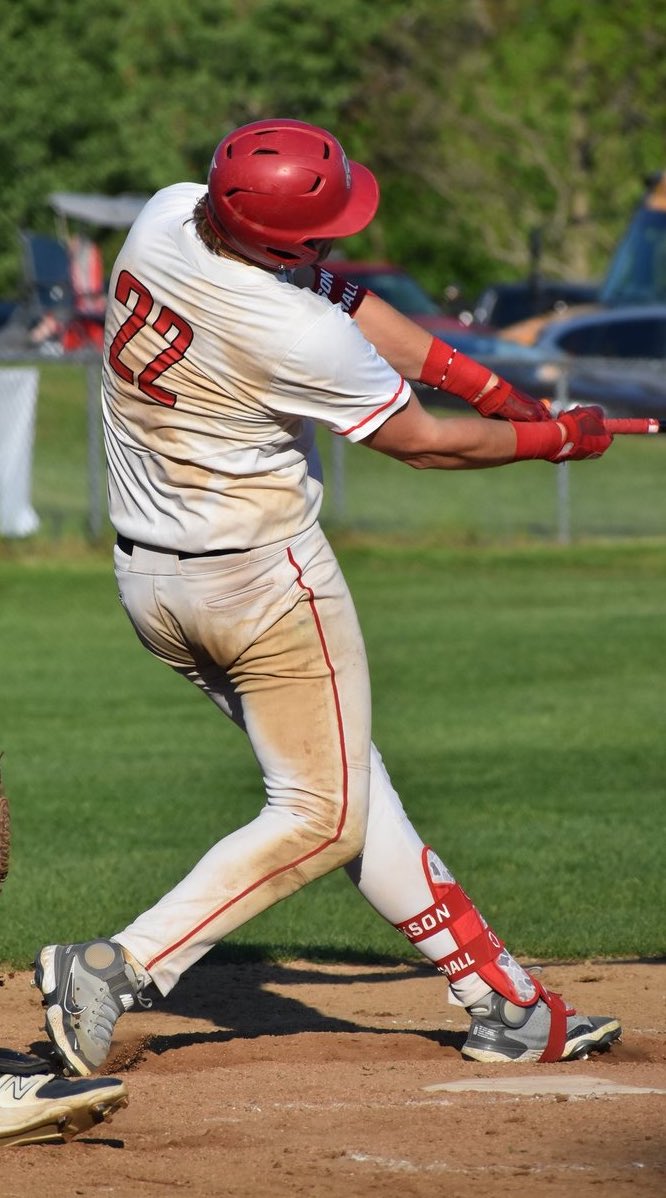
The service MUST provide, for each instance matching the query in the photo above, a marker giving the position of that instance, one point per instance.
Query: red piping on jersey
(345, 786)
(384, 406)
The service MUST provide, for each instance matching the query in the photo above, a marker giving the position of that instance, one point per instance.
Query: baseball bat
(630, 425)
(647, 424)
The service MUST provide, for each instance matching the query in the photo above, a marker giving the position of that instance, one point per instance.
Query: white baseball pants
(272, 637)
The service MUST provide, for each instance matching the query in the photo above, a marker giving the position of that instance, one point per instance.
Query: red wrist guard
(540, 440)
(340, 291)
(449, 370)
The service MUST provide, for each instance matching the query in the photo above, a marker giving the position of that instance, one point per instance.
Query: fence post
(95, 472)
(561, 402)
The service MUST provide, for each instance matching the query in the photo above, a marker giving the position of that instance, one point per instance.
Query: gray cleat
(85, 988)
(501, 1031)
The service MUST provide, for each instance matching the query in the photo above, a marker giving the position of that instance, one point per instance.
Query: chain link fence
(59, 482)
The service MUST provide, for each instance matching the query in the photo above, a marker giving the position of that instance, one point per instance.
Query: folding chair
(64, 299)
(46, 276)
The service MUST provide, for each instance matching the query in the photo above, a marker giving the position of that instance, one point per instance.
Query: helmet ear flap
(280, 191)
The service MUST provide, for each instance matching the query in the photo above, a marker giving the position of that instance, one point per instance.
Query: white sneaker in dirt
(36, 1107)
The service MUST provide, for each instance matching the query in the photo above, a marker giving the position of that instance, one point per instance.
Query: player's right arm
(425, 441)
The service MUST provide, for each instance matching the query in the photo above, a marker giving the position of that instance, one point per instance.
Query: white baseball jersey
(214, 373)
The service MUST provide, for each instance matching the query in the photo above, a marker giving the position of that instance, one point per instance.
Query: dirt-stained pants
(272, 637)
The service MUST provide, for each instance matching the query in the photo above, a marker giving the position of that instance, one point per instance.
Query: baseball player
(226, 342)
(37, 1106)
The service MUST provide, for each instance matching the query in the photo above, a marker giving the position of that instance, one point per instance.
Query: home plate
(572, 1085)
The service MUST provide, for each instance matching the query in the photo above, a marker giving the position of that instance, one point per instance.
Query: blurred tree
(130, 97)
(501, 117)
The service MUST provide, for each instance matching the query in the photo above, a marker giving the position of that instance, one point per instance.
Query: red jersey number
(133, 294)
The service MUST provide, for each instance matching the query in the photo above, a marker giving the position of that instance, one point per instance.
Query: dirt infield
(317, 1081)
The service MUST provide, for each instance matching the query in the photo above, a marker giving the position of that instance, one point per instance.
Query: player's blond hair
(204, 231)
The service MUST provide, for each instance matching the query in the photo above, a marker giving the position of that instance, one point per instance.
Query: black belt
(128, 547)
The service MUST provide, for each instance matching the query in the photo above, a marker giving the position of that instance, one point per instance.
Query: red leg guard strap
(472, 957)
(558, 1024)
(451, 906)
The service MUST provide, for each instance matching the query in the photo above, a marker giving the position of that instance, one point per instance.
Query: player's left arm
(416, 354)
(417, 437)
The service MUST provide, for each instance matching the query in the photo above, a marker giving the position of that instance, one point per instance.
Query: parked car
(7, 309)
(399, 288)
(627, 332)
(504, 304)
(551, 368)
(613, 356)
(636, 273)
(637, 270)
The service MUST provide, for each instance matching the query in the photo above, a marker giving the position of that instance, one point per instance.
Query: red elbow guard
(449, 370)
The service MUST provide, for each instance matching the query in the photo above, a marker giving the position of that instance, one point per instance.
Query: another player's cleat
(38, 1108)
(547, 1030)
(85, 988)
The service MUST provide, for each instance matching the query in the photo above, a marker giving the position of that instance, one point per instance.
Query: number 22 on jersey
(130, 292)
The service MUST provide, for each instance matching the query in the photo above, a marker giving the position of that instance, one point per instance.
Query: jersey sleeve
(333, 375)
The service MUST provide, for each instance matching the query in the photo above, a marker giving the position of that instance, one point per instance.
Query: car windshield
(398, 289)
(638, 271)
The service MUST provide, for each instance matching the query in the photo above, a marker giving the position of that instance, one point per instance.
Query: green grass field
(519, 705)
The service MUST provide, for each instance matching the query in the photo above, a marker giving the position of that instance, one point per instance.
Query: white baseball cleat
(36, 1107)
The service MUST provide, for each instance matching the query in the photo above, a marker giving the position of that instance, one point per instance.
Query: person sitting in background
(78, 321)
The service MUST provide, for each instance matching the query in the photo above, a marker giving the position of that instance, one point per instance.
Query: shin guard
(467, 944)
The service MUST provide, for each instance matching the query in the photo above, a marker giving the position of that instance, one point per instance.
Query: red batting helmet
(274, 187)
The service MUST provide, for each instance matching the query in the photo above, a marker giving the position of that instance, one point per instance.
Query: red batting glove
(509, 403)
(584, 436)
